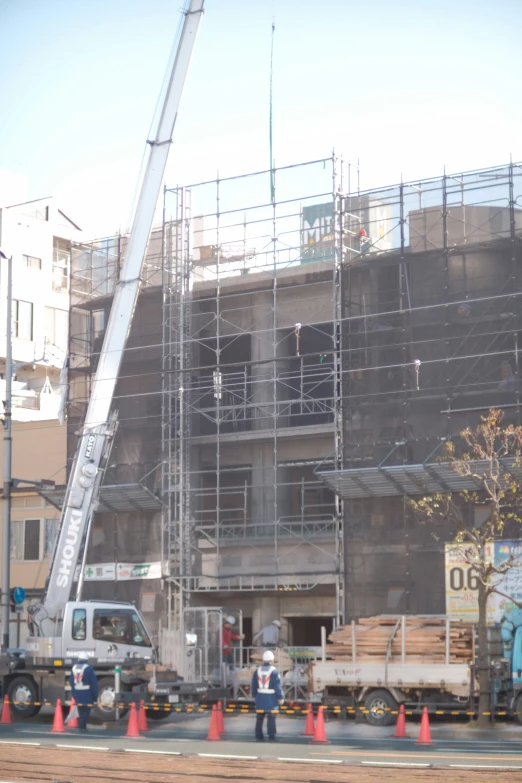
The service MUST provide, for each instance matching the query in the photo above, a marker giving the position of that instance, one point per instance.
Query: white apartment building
(37, 234)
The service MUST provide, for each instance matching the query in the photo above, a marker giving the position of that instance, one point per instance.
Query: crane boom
(84, 479)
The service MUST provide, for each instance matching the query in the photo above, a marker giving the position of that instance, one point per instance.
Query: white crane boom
(84, 479)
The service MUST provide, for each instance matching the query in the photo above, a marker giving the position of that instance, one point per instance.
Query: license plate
(173, 698)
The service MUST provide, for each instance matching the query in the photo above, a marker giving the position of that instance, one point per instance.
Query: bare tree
(490, 455)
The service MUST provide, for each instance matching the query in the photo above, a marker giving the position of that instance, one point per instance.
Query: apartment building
(37, 235)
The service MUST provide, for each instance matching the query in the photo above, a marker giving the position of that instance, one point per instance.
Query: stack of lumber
(425, 640)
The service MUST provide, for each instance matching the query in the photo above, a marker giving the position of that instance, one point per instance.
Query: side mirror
(191, 639)
(519, 673)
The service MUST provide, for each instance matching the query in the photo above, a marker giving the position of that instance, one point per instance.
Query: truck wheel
(105, 708)
(380, 705)
(23, 696)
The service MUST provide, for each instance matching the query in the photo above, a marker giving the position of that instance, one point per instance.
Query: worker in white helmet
(268, 692)
(227, 637)
(269, 635)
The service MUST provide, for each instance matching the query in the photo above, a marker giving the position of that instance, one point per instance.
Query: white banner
(120, 572)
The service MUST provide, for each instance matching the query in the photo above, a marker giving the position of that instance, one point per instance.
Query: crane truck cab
(109, 632)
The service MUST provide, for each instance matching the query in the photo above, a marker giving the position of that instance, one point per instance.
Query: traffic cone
(6, 711)
(220, 721)
(142, 717)
(132, 726)
(320, 734)
(400, 727)
(213, 730)
(73, 723)
(58, 725)
(425, 733)
(309, 728)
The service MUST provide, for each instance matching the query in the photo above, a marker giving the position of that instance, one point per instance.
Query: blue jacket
(84, 684)
(266, 678)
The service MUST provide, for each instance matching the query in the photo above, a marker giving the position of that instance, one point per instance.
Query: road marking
(482, 766)
(312, 761)
(419, 754)
(19, 742)
(81, 747)
(228, 756)
(394, 764)
(157, 752)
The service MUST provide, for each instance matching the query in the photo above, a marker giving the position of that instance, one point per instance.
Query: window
(26, 539)
(22, 319)
(33, 539)
(120, 626)
(32, 262)
(56, 326)
(61, 264)
(79, 625)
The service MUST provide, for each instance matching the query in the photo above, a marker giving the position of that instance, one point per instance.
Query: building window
(61, 264)
(33, 539)
(22, 319)
(26, 539)
(56, 326)
(32, 262)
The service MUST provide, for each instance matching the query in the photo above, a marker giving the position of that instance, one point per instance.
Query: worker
(269, 635)
(227, 637)
(84, 687)
(268, 692)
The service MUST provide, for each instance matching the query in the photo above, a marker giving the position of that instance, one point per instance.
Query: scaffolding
(296, 358)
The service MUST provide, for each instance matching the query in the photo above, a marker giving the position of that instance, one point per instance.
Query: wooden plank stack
(425, 640)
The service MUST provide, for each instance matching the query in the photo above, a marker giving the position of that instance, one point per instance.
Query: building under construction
(299, 352)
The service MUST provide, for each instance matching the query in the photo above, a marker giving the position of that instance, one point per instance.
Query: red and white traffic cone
(320, 734)
(309, 727)
(73, 723)
(213, 730)
(142, 717)
(425, 733)
(6, 711)
(400, 727)
(220, 721)
(132, 726)
(58, 724)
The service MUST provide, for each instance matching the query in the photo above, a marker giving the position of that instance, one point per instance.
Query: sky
(403, 86)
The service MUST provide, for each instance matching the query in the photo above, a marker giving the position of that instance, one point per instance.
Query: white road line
(394, 764)
(312, 761)
(81, 747)
(484, 766)
(157, 752)
(18, 742)
(228, 756)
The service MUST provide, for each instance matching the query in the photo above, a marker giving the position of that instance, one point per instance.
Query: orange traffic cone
(6, 711)
(220, 721)
(132, 726)
(213, 729)
(425, 733)
(58, 725)
(320, 734)
(142, 717)
(309, 728)
(73, 723)
(400, 727)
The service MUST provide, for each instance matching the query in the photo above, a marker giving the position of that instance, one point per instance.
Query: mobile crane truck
(112, 634)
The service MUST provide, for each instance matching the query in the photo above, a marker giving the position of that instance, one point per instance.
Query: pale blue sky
(406, 86)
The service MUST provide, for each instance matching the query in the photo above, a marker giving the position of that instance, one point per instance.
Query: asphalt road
(452, 747)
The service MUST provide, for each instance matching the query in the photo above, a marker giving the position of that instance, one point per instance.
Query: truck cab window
(79, 625)
(139, 634)
(112, 626)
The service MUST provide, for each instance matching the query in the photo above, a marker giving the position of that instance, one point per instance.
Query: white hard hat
(276, 622)
(82, 656)
(230, 619)
(268, 656)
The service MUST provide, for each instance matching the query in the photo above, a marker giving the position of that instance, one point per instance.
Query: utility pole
(6, 506)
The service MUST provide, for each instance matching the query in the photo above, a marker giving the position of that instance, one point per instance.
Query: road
(176, 751)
